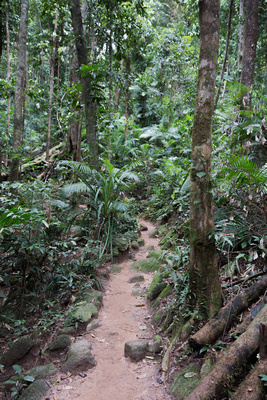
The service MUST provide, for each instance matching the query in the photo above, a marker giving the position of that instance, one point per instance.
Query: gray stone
(80, 357)
(155, 346)
(36, 391)
(83, 314)
(136, 278)
(41, 371)
(60, 343)
(154, 233)
(93, 325)
(93, 296)
(143, 227)
(16, 351)
(136, 349)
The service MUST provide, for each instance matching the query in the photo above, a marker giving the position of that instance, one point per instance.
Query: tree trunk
(240, 46)
(231, 365)
(219, 324)
(127, 94)
(204, 283)
(88, 97)
(251, 37)
(75, 127)
(19, 91)
(225, 52)
(52, 73)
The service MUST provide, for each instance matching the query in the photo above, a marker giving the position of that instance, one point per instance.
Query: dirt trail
(115, 377)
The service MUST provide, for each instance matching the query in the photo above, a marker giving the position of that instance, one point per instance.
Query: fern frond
(245, 171)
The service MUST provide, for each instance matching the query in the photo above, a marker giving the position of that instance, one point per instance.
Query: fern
(245, 172)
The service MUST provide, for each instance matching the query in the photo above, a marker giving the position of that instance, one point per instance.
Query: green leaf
(29, 378)
(200, 174)
(17, 368)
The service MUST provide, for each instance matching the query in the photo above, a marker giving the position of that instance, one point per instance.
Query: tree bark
(204, 283)
(225, 52)
(52, 73)
(231, 365)
(252, 387)
(219, 324)
(19, 91)
(75, 127)
(240, 46)
(88, 97)
(250, 45)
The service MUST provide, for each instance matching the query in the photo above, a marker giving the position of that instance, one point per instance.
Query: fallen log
(232, 364)
(222, 321)
(252, 388)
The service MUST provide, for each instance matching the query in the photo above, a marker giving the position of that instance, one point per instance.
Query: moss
(185, 382)
(157, 285)
(154, 233)
(149, 265)
(165, 292)
(158, 317)
(155, 253)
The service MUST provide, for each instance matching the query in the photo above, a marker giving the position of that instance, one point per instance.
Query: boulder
(136, 349)
(93, 325)
(16, 351)
(79, 358)
(42, 371)
(157, 285)
(60, 343)
(36, 391)
(155, 346)
(185, 382)
(136, 278)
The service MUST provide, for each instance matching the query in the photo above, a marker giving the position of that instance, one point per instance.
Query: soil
(123, 317)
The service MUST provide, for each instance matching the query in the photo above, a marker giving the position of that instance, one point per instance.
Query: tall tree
(249, 54)
(19, 101)
(88, 96)
(204, 282)
(52, 73)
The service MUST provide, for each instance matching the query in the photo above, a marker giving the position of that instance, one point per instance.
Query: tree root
(231, 364)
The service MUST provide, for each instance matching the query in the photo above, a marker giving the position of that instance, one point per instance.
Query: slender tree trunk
(204, 283)
(110, 79)
(250, 45)
(225, 52)
(127, 94)
(75, 127)
(52, 73)
(88, 97)
(240, 46)
(19, 91)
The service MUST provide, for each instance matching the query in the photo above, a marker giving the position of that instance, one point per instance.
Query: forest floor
(123, 317)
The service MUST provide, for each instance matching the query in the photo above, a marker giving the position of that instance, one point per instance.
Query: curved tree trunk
(19, 91)
(204, 283)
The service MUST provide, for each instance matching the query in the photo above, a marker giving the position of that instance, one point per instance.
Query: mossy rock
(136, 278)
(185, 382)
(42, 371)
(140, 241)
(36, 391)
(154, 233)
(16, 351)
(59, 343)
(135, 245)
(157, 285)
(165, 292)
(150, 248)
(93, 296)
(122, 243)
(82, 314)
(147, 265)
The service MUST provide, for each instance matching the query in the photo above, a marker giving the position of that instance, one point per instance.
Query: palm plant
(105, 192)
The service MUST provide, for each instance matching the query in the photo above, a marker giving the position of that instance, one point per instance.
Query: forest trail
(123, 317)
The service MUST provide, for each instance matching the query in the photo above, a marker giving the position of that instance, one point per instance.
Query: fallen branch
(231, 364)
(219, 324)
(243, 280)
